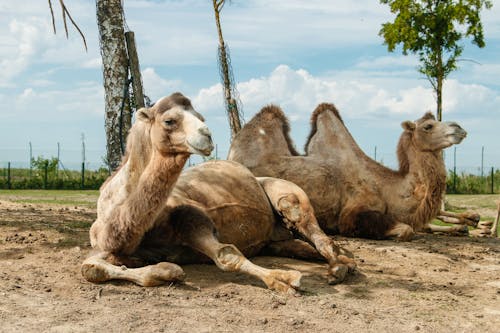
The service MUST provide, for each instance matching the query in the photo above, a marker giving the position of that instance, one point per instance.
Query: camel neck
(428, 166)
(161, 172)
(427, 173)
(154, 186)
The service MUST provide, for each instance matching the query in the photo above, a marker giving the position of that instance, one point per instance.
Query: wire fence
(55, 173)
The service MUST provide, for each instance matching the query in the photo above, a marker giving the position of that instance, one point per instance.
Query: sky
(293, 53)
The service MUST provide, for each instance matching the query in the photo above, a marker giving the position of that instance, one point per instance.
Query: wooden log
(135, 69)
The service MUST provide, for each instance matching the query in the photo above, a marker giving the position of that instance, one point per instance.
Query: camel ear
(408, 125)
(429, 115)
(145, 114)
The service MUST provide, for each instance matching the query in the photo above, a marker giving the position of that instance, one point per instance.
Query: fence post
(45, 174)
(492, 180)
(83, 175)
(8, 176)
(455, 170)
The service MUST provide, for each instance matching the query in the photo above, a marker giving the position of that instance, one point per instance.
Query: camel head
(175, 127)
(428, 134)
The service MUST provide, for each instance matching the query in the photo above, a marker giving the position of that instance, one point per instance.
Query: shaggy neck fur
(427, 171)
(151, 177)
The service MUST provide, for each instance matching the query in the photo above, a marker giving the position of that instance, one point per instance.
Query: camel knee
(287, 198)
(228, 258)
(289, 207)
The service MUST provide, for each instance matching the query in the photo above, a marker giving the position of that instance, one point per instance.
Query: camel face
(431, 135)
(177, 128)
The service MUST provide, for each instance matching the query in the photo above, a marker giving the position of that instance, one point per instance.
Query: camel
(352, 194)
(152, 216)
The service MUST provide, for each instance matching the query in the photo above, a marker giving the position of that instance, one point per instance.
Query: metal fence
(54, 174)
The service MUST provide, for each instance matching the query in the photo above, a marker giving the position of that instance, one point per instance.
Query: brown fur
(268, 117)
(323, 107)
(131, 197)
(351, 193)
(151, 220)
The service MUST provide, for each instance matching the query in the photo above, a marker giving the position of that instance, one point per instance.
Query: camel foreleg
(292, 203)
(97, 269)
(196, 230)
(468, 218)
(457, 230)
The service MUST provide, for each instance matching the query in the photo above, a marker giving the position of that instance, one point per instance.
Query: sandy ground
(434, 283)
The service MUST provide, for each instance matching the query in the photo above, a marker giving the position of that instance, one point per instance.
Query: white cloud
(298, 92)
(93, 63)
(157, 87)
(24, 43)
(387, 62)
(59, 105)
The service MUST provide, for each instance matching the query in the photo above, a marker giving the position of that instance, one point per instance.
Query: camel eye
(428, 127)
(169, 122)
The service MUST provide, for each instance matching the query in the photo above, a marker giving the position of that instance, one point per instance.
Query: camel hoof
(283, 281)
(463, 230)
(163, 272)
(349, 261)
(94, 273)
(337, 274)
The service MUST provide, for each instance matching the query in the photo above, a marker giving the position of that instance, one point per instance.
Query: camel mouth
(203, 151)
(456, 138)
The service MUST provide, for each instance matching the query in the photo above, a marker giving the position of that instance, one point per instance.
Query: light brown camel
(151, 217)
(352, 194)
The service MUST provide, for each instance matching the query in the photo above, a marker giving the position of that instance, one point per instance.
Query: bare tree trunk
(115, 73)
(439, 85)
(230, 101)
(439, 98)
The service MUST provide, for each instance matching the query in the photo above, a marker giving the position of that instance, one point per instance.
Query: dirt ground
(434, 283)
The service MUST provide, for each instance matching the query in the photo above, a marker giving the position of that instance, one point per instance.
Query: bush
(472, 184)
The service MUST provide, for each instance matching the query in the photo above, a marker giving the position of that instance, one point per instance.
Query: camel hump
(268, 113)
(266, 135)
(328, 135)
(325, 107)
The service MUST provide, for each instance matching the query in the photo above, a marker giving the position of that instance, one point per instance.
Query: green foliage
(465, 183)
(432, 29)
(45, 174)
(40, 163)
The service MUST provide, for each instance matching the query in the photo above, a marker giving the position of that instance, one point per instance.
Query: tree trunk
(439, 86)
(439, 95)
(231, 105)
(115, 74)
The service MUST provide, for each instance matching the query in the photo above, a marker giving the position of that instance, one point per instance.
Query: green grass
(80, 198)
(462, 202)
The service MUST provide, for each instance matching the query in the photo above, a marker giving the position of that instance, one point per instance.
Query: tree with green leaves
(433, 29)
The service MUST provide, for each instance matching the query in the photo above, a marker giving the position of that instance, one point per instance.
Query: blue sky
(290, 52)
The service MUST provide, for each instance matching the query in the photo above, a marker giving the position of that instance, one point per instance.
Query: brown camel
(352, 194)
(151, 217)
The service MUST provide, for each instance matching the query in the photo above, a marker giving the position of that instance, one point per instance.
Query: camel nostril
(205, 131)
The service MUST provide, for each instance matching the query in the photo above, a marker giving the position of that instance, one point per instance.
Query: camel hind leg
(293, 205)
(196, 230)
